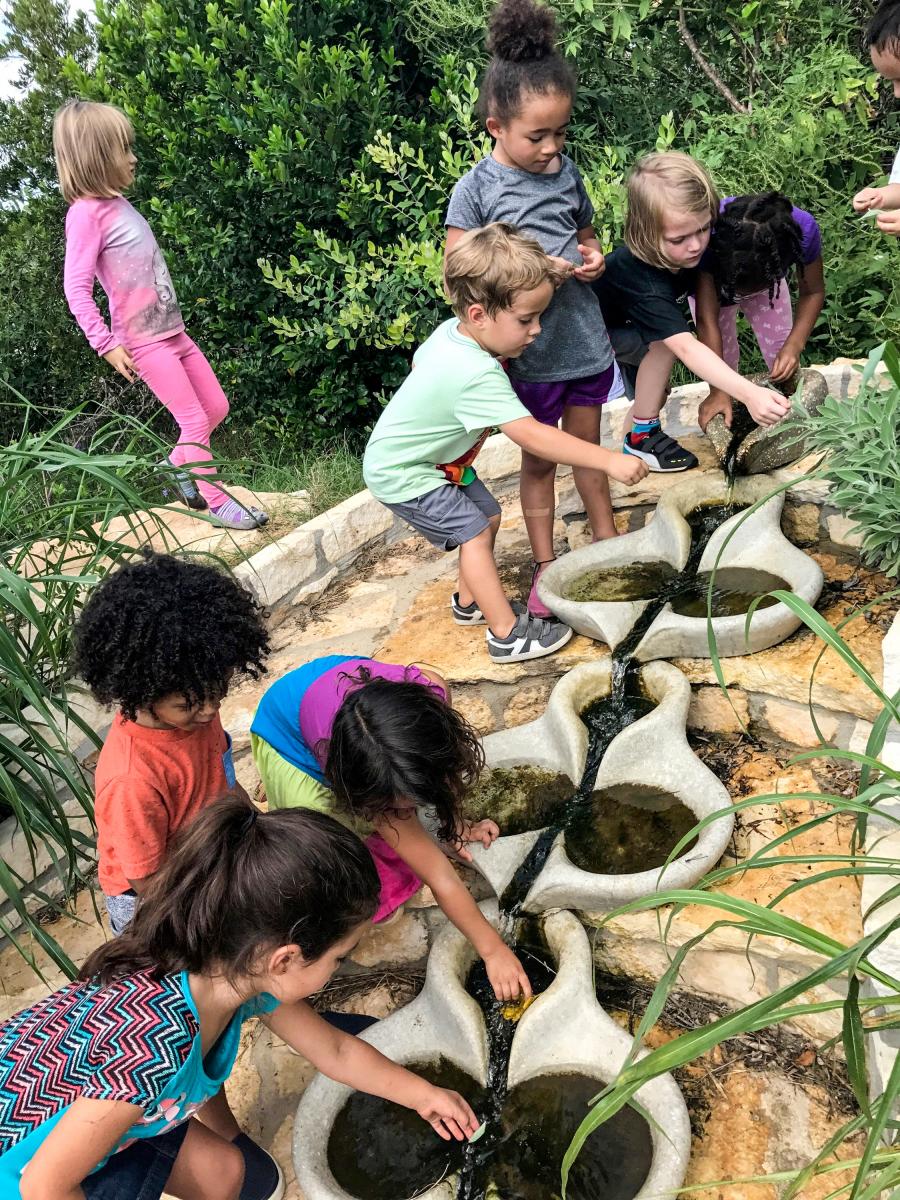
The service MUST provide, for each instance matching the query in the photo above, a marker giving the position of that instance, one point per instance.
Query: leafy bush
(859, 437)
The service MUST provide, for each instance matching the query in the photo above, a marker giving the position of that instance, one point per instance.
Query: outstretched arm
(554, 445)
(767, 407)
(710, 335)
(419, 850)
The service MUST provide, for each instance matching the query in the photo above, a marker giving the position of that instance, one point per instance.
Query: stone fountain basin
(757, 543)
(653, 751)
(564, 1031)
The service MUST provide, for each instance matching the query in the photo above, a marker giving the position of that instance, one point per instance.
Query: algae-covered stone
(765, 449)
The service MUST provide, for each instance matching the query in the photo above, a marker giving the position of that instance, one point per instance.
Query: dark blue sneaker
(263, 1179)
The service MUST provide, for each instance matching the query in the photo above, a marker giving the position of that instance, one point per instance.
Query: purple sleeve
(84, 242)
(811, 247)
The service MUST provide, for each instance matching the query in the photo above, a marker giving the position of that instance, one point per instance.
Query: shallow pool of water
(734, 590)
(636, 581)
(519, 799)
(626, 829)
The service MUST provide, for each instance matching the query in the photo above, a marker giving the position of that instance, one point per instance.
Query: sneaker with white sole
(263, 1178)
(530, 637)
(661, 453)
(472, 614)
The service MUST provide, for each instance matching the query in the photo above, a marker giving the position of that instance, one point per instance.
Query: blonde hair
(489, 266)
(660, 184)
(90, 142)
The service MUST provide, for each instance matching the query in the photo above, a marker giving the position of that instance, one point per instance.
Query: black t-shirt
(652, 299)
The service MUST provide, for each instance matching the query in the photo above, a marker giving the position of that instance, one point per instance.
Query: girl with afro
(757, 243)
(162, 639)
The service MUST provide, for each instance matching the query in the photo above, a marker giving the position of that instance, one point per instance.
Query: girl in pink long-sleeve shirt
(108, 239)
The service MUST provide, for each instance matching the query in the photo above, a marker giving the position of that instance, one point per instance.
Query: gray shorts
(629, 348)
(121, 910)
(451, 514)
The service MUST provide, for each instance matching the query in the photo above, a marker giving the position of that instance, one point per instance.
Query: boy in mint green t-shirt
(419, 458)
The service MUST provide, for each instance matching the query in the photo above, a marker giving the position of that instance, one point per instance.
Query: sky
(9, 68)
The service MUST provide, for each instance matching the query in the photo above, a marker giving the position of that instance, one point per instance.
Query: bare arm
(554, 445)
(82, 1138)
(810, 302)
(419, 850)
(766, 407)
(354, 1062)
(710, 335)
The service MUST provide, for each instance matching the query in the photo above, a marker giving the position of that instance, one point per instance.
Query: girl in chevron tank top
(100, 1082)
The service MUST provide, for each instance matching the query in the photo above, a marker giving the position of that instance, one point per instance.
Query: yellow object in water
(514, 1011)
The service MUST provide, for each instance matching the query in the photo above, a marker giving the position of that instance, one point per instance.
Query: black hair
(883, 31)
(395, 740)
(755, 244)
(239, 883)
(167, 625)
(522, 44)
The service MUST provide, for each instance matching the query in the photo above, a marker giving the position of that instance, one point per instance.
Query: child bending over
(100, 1082)
(419, 458)
(672, 207)
(375, 744)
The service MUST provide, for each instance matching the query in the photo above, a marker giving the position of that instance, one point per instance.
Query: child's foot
(230, 514)
(185, 484)
(530, 637)
(660, 452)
(263, 1179)
(536, 606)
(471, 614)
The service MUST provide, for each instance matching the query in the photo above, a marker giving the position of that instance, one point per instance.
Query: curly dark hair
(393, 739)
(167, 625)
(883, 31)
(756, 244)
(522, 44)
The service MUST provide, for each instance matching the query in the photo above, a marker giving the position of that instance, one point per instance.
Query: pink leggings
(177, 373)
(771, 323)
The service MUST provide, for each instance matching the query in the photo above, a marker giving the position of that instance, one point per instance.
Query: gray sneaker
(530, 637)
(473, 614)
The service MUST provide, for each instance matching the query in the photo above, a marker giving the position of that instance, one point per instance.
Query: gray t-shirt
(573, 342)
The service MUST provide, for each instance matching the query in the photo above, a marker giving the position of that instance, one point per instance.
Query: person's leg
(537, 491)
(479, 578)
(261, 1176)
(160, 366)
(646, 440)
(581, 418)
(208, 1167)
(771, 322)
(731, 352)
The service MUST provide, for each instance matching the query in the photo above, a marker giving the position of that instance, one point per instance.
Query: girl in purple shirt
(757, 242)
(107, 239)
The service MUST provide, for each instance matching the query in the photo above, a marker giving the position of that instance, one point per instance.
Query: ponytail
(522, 44)
(241, 881)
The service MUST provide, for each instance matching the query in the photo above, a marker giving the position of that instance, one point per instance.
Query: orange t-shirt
(149, 784)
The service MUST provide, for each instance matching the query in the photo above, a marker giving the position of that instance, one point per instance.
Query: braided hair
(756, 243)
(522, 44)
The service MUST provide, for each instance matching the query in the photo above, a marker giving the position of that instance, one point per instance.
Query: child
(99, 1082)
(672, 206)
(757, 241)
(374, 743)
(569, 372)
(883, 41)
(109, 240)
(418, 460)
(162, 639)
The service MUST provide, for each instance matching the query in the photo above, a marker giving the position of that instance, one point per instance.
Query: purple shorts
(547, 401)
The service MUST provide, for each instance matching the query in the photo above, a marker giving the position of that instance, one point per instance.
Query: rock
(526, 705)
(351, 525)
(800, 523)
(764, 449)
(402, 941)
(276, 570)
(843, 532)
(475, 710)
(715, 712)
(791, 722)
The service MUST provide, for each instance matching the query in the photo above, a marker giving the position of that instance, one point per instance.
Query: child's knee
(229, 1173)
(537, 468)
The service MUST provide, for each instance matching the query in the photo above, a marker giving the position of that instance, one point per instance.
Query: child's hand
(448, 1114)
(889, 222)
(714, 404)
(119, 358)
(766, 407)
(506, 974)
(787, 360)
(594, 264)
(626, 468)
(868, 198)
(485, 832)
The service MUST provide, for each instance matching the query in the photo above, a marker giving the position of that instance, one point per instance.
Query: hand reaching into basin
(506, 973)
(448, 1114)
(484, 832)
